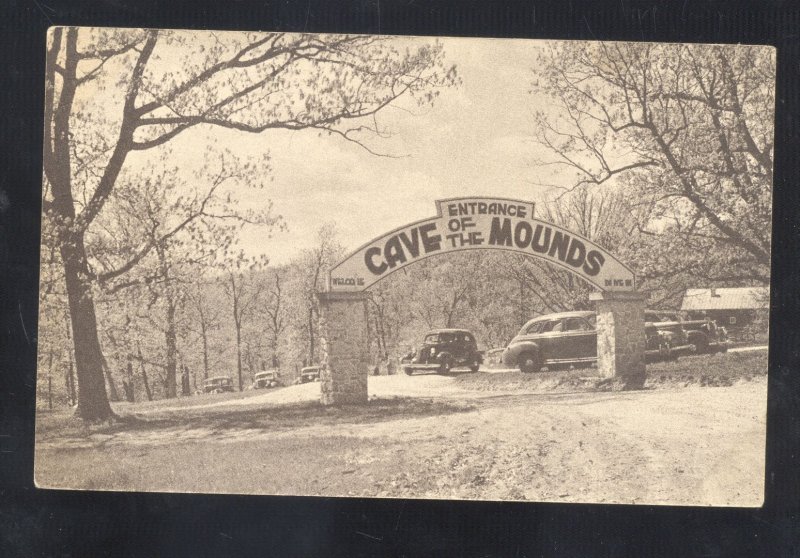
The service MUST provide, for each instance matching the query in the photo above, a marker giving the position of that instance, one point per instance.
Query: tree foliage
(117, 97)
(685, 129)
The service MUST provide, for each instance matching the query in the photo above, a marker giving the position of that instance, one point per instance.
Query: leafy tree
(685, 129)
(604, 216)
(187, 228)
(116, 95)
(244, 286)
(206, 318)
(276, 311)
(315, 264)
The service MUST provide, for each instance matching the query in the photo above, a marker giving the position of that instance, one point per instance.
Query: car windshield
(433, 338)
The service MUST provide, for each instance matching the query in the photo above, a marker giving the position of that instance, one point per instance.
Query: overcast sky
(475, 140)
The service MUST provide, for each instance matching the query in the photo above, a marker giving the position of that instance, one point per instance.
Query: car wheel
(446, 365)
(666, 351)
(408, 370)
(529, 363)
(701, 345)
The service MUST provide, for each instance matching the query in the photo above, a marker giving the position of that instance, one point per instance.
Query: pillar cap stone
(618, 295)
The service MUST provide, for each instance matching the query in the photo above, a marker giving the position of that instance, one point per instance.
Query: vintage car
(266, 379)
(308, 374)
(673, 331)
(569, 338)
(218, 384)
(443, 350)
(704, 335)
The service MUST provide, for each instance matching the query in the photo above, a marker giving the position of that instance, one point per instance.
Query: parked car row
(261, 380)
(565, 338)
(704, 335)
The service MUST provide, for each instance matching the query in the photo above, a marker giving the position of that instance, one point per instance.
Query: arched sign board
(479, 223)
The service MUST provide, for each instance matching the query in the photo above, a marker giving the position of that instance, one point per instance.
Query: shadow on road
(273, 418)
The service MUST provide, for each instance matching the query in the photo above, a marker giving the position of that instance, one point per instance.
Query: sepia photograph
(405, 267)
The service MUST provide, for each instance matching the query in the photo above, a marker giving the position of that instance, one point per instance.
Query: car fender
(511, 356)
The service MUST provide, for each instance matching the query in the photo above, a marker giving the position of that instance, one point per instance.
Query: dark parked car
(308, 374)
(218, 384)
(266, 379)
(704, 335)
(443, 350)
(673, 331)
(568, 338)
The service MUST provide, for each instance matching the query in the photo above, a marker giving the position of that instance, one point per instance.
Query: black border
(47, 523)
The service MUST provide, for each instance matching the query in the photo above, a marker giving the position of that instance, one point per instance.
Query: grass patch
(701, 370)
(722, 369)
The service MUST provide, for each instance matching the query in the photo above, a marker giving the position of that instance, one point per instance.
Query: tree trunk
(144, 373)
(130, 392)
(170, 336)
(92, 397)
(147, 390)
(311, 336)
(275, 347)
(185, 388)
(381, 332)
(113, 395)
(71, 384)
(70, 373)
(205, 351)
(239, 353)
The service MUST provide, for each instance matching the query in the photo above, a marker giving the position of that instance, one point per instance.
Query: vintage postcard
(405, 267)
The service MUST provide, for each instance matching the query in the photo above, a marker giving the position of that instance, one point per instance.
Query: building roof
(737, 298)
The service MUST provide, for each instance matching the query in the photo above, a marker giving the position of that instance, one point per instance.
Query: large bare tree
(685, 129)
(113, 94)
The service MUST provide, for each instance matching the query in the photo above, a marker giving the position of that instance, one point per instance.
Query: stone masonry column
(620, 336)
(344, 343)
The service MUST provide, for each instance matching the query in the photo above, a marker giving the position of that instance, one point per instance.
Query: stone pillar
(344, 343)
(620, 336)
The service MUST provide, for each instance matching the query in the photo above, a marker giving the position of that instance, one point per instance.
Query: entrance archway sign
(475, 223)
(479, 224)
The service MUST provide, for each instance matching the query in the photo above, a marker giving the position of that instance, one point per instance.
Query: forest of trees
(118, 216)
(665, 155)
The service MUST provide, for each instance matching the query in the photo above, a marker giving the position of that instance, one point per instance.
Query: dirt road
(427, 436)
